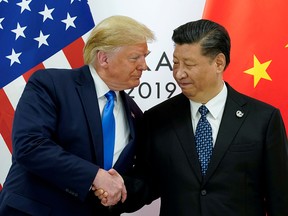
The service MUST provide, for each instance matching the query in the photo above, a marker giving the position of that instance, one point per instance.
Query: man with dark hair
(211, 151)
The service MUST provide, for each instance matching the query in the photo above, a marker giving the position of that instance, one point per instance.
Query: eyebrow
(147, 53)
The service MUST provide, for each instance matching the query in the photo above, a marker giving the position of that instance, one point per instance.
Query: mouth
(183, 84)
(138, 75)
(135, 78)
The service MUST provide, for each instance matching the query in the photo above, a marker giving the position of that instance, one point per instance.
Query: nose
(179, 73)
(142, 65)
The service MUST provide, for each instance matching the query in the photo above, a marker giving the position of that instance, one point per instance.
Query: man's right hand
(109, 187)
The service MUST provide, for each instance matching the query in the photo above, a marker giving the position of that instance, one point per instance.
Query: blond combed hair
(114, 32)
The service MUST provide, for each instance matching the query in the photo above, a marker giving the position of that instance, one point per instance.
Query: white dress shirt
(215, 107)
(122, 130)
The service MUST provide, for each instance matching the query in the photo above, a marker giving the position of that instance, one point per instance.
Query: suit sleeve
(276, 168)
(35, 143)
(140, 184)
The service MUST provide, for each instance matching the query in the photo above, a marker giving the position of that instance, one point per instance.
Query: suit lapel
(87, 93)
(230, 124)
(183, 128)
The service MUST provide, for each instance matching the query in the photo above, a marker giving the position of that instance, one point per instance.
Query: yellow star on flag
(259, 71)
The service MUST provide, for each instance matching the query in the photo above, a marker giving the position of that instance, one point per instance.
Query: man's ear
(220, 61)
(102, 58)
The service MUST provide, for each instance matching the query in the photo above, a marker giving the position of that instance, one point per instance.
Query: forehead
(141, 48)
(187, 51)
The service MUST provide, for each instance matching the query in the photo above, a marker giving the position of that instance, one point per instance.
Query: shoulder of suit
(241, 99)
(176, 102)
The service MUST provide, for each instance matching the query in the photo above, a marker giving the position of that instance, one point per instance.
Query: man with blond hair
(59, 144)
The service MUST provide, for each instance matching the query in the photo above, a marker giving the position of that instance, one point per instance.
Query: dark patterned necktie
(108, 126)
(204, 140)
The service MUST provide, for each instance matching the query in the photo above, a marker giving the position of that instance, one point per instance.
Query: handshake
(109, 187)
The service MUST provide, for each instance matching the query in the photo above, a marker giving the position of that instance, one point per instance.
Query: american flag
(33, 35)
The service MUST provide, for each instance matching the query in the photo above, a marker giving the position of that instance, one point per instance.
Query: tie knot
(203, 110)
(110, 95)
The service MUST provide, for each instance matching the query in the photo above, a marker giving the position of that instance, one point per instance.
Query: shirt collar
(100, 85)
(215, 105)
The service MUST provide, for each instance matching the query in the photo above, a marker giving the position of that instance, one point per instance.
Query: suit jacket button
(203, 192)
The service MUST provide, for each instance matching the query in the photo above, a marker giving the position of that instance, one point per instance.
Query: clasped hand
(109, 187)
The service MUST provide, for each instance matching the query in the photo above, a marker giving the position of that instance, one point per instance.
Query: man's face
(198, 76)
(125, 66)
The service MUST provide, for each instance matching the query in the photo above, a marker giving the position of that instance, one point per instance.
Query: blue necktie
(108, 126)
(204, 140)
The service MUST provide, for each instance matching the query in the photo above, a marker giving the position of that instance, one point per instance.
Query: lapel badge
(239, 113)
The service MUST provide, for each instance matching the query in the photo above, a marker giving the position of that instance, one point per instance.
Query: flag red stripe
(31, 71)
(72, 53)
(6, 109)
(6, 119)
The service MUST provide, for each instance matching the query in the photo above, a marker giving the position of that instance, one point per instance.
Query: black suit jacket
(248, 171)
(58, 146)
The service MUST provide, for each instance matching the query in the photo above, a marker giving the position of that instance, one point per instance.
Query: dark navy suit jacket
(248, 171)
(58, 146)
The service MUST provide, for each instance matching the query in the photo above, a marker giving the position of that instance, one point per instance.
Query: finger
(104, 202)
(113, 172)
(102, 196)
(123, 194)
(99, 192)
(105, 194)
(93, 188)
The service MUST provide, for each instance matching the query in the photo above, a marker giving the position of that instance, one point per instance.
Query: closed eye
(137, 57)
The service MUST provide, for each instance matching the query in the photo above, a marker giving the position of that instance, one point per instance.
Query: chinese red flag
(259, 47)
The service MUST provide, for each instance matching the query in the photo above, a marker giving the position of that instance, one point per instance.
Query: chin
(188, 94)
(135, 83)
